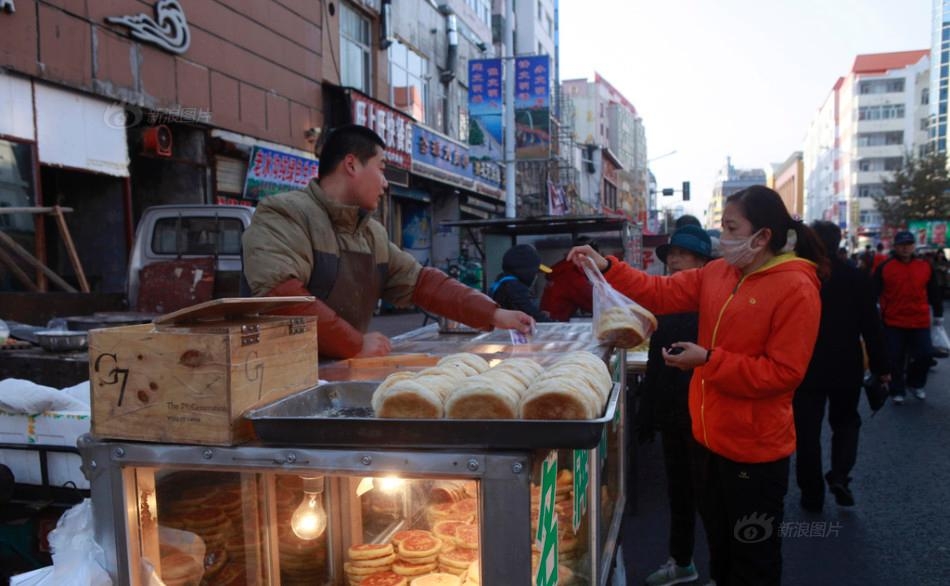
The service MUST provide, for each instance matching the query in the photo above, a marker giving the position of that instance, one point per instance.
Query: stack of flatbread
(422, 395)
(576, 387)
(462, 386)
(624, 326)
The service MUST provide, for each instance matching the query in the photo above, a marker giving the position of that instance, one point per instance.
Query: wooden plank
(36, 263)
(218, 309)
(20, 275)
(70, 248)
(32, 210)
(393, 361)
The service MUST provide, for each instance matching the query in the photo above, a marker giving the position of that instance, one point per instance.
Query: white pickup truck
(185, 254)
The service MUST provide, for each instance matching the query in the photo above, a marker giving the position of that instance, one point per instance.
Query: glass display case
(285, 513)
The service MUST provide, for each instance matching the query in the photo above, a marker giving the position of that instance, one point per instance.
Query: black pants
(742, 507)
(910, 347)
(809, 406)
(678, 448)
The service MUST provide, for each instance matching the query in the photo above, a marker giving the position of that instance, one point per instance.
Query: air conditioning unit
(157, 140)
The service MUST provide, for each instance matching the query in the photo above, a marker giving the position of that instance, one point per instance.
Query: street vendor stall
(328, 493)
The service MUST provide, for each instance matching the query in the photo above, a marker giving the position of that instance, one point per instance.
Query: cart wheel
(7, 484)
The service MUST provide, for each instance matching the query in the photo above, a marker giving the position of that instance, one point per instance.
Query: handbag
(939, 341)
(876, 392)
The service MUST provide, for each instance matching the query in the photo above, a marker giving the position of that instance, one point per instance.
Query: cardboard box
(189, 376)
(53, 428)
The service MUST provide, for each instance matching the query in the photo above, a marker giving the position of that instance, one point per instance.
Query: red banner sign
(394, 127)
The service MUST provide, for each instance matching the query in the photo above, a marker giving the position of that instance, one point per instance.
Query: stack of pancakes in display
(624, 326)
(462, 386)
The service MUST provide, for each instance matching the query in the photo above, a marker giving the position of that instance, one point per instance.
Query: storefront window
(16, 190)
(407, 73)
(355, 43)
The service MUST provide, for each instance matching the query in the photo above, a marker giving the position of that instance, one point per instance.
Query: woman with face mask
(759, 310)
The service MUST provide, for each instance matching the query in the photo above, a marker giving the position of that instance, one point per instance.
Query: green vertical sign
(581, 483)
(546, 536)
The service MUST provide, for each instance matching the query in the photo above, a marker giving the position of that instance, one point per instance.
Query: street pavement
(897, 534)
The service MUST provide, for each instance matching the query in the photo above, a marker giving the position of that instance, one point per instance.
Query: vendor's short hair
(351, 139)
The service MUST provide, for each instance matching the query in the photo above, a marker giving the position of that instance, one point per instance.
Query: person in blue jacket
(512, 289)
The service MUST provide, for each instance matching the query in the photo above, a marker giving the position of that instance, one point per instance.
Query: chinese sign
(270, 172)
(546, 537)
(485, 101)
(430, 149)
(394, 127)
(930, 232)
(532, 107)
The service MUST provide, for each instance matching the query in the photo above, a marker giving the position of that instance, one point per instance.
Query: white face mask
(740, 252)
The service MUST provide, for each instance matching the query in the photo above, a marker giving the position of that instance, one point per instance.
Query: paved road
(898, 534)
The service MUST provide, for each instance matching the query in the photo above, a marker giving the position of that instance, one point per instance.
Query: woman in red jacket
(759, 310)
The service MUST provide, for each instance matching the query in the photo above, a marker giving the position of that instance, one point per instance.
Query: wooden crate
(189, 376)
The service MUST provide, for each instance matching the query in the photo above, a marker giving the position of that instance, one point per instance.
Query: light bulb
(391, 483)
(310, 519)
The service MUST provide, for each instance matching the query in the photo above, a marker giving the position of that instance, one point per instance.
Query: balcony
(866, 177)
(879, 151)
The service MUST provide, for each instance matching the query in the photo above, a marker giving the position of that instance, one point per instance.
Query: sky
(739, 78)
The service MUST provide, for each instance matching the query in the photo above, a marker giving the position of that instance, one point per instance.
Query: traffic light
(667, 191)
(686, 191)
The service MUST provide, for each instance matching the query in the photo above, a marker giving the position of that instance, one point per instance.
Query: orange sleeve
(336, 338)
(439, 293)
(676, 294)
(781, 367)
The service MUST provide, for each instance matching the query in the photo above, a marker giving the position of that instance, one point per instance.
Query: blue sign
(440, 152)
(270, 172)
(533, 107)
(485, 101)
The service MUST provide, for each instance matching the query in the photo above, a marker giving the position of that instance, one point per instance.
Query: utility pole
(509, 70)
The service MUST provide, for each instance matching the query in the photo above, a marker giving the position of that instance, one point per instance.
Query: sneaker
(919, 393)
(670, 573)
(898, 399)
(839, 488)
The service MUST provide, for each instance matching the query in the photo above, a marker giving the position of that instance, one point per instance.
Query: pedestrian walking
(907, 289)
(664, 406)
(759, 311)
(834, 378)
(322, 241)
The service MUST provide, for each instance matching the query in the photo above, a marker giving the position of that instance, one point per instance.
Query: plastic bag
(77, 559)
(618, 320)
(940, 341)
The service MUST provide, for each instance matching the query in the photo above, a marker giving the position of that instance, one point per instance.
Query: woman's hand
(579, 255)
(684, 355)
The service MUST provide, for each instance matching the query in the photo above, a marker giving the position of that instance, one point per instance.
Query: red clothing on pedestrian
(903, 288)
(879, 259)
(761, 329)
(567, 291)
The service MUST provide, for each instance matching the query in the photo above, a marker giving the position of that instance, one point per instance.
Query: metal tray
(339, 414)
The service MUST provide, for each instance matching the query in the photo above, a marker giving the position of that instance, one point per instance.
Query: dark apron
(356, 289)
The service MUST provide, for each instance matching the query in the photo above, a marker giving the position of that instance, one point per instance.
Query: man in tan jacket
(321, 241)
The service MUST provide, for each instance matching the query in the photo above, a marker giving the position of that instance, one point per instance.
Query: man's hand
(507, 319)
(374, 344)
(579, 255)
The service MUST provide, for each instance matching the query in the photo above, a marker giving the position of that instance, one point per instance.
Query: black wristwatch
(607, 268)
